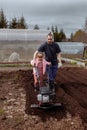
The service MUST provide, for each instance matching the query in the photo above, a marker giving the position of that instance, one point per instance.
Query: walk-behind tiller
(46, 95)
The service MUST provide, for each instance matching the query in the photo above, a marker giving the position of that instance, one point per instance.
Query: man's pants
(51, 71)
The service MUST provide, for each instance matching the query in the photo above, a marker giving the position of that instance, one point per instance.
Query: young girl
(39, 68)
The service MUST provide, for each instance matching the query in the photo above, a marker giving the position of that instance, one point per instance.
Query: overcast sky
(69, 15)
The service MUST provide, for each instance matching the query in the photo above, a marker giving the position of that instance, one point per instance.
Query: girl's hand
(33, 63)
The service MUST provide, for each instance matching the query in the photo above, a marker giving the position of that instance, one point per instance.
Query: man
(52, 54)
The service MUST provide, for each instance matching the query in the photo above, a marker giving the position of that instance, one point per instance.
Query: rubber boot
(51, 83)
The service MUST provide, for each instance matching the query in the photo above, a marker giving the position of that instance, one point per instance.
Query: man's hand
(59, 65)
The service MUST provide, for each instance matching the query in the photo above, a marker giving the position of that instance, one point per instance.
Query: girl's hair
(40, 55)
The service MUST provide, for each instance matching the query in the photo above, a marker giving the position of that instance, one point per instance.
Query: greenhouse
(23, 34)
(24, 42)
(71, 47)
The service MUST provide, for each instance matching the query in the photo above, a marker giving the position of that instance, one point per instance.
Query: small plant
(86, 63)
(73, 62)
(1, 111)
(18, 119)
(81, 66)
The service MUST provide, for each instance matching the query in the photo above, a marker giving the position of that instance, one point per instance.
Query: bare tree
(85, 26)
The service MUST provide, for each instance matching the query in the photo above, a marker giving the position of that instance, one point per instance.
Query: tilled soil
(17, 94)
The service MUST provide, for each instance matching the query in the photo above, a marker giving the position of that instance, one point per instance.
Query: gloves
(59, 64)
(32, 63)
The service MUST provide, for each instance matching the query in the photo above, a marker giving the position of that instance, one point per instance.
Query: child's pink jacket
(36, 63)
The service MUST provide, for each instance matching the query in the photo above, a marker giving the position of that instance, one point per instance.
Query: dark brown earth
(17, 94)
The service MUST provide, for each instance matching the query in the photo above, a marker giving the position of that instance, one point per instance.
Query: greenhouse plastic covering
(71, 47)
(26, 35)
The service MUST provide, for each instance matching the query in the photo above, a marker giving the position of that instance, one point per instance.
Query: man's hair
(50, 34)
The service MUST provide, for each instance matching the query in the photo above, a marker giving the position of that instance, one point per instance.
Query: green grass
(15, 65)
(73, 62)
